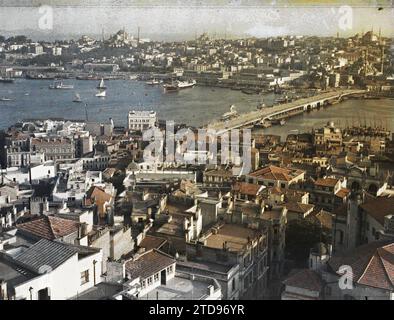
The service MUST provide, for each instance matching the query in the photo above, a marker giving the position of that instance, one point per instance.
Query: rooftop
(372, 264)
(148, 264)
(233, 236)
(276, 173)
(181, 287)
(49, 227)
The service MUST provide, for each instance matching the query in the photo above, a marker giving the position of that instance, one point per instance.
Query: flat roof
(236, 237)
(179, 288)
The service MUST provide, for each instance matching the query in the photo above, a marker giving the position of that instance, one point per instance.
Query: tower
(138, 36)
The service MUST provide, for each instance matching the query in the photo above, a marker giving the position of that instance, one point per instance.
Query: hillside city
(79, 201)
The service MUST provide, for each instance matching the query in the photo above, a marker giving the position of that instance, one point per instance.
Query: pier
(282, 111)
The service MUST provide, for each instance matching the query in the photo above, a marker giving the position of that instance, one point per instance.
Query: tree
(301, 236)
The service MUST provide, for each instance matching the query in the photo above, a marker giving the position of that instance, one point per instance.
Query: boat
(281, 122)
(60, 85)
(101, 85)
(231, 114)
(133, 77)
(153, 82)
(6, 80)
(77, 98)
(250, 91)
(186, 84)
(101, 94)
(171, 87)
(5, 99)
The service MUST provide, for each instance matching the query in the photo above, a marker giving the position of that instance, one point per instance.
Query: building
(39, 271)
(235, 245)
(303, 284)
(153, 275)
(141, 120)
(54, 148)
(273, 176)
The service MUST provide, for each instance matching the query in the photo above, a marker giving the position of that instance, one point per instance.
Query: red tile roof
(372, 264)
(276, 173)
(343, 193)
(49, 227)
(326, 182)
(299, 207)
(247, 188)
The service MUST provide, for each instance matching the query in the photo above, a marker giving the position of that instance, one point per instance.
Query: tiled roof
(148, 264)
(276, 173)
(372, 264)
(247, 188)
(306, 279)
(326, 182)
(44, 255)
(299, 207)
(342, 193)
(379, 207)
(152, 242)
(49, 227)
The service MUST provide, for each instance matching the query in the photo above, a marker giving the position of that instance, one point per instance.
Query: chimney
(3, 290)
(211, 290)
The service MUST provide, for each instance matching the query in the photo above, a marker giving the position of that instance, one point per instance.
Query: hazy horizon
(182, 22)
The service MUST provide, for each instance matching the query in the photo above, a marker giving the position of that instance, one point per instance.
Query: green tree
(301, 236)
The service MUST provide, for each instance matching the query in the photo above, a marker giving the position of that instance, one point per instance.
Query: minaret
(138, 36)
(102, 34)
(381, 50)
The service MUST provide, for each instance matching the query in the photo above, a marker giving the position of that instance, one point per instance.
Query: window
(150, 281)
(156, 277)
(84, 277)
(233, 285)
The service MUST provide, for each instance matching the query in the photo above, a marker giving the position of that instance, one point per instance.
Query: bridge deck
(255, 116)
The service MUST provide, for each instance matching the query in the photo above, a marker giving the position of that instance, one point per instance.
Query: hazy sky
(160, 21)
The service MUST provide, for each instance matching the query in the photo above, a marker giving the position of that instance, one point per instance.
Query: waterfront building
(141, 120)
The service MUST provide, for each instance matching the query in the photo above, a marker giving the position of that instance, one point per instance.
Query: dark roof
(306, 279)
(379, 207)
(148, 264)
(152, 242)
(44, 255)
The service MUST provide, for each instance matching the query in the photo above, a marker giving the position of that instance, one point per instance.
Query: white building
(141, 120)
(49, 270)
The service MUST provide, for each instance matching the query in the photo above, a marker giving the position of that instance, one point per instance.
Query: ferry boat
(6, 80)
(186, 84)
(170, 87)
(60, 85)
(5, 99)
(77, 98)
(101, 85)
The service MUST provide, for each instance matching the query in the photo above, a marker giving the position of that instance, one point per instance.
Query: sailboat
(101, 94)
(77, 98)
(101, 85)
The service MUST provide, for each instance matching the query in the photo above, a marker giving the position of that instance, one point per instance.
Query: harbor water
(194, 106)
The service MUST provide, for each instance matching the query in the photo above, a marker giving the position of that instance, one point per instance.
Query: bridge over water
(281, 111)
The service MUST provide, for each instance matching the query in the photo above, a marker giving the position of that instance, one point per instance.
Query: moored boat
(60, 85)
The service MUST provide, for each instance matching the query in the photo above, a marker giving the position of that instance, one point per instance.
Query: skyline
(184, 22)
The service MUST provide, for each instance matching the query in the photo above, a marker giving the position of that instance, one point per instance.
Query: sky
(174, 20)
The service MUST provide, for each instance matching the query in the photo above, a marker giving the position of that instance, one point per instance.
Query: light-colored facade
(141, 120)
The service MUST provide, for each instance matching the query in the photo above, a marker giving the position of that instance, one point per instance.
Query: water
(196, 106)
(346, 113)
